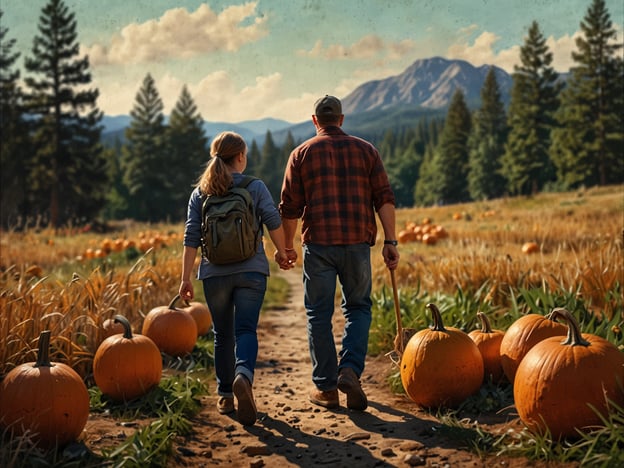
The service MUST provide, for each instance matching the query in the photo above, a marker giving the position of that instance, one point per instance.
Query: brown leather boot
(328, 399)
(349, 384)
(247, 413)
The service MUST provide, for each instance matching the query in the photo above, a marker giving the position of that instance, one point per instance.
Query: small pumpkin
(440, 366)
(522, 335)
(530, 248)
(127, 366)
(48, 399)
(201, 314)
(563, 385)
(488, 341)
(173, 330)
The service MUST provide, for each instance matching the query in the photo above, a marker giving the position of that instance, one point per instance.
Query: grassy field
(70, 281)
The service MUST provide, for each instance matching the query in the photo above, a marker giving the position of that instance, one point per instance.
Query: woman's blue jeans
(322, 265)
(235, 302)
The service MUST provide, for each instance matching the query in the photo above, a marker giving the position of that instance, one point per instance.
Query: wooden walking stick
(403, 334)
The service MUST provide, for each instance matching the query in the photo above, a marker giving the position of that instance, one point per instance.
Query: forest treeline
(555, 134)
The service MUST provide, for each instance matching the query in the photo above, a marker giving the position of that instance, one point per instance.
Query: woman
(234, 292)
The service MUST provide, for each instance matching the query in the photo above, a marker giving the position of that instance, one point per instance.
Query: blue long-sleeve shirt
(266, 210)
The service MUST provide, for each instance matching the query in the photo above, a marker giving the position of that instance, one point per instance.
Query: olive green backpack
(230, 228)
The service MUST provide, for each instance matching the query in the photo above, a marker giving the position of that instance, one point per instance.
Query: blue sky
(272, 58)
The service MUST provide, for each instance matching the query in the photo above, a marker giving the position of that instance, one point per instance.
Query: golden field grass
(60, 282)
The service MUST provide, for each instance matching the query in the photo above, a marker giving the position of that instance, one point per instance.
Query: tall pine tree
(270, 170)
(448, 181)
(188, 153)
(14, 153)
(69, 166)
(486, 144)
(526, 163)
(587, 148)
(146, 169)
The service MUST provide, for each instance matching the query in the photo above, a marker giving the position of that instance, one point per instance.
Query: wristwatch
(391, 242)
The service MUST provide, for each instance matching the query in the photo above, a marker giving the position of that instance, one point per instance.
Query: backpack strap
(246, 180)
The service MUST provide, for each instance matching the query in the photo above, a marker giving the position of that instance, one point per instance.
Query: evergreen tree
(270, 170)
(253, 160)
(587, 148)
(67, 176)
(486, 143)
(534, 99)
(14, 152)
(450, 161)
(424, 189)
(188, 153)
(145, 166)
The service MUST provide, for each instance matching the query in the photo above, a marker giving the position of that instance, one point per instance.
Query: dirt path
(291, 431)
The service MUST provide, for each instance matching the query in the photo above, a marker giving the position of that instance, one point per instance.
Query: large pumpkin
(563, 385)
(127, 366)
(173, 330)
(201, 314)
(488, 341)
(440, 366)
(48, 399)
(522, 335)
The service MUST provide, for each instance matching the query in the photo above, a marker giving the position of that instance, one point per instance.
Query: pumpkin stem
(126, 325)
(173, 302)
(43, 353)
(485, 323)
(437, 317)
(574, 337)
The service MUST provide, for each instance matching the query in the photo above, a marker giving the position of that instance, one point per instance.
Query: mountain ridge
(424, 87)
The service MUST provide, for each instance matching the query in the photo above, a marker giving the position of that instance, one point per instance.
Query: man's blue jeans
(350, 264)
(235, 302)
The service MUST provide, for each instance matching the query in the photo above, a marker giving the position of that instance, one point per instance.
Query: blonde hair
(217, 177)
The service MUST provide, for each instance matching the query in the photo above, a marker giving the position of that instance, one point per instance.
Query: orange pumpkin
(48, 399)
(201, 314)
(562, 386)
(530, 247)
(173, 330)
(440, 366)
(127, 366)
(522, 335)
(488, 341)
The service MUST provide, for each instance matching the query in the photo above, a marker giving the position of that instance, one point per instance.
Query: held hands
(391, 256)
(287, 259)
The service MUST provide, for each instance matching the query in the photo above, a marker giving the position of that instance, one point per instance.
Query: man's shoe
(246, 405)
(349, 383)
(328, 399)
(225, 405)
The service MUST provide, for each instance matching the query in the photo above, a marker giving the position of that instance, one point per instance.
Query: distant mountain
(428, 83)
(424, 89)
(114, 128)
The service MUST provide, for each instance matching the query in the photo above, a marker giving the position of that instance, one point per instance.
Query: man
(336, 182)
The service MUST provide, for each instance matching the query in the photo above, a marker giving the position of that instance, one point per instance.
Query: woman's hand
(186, 290)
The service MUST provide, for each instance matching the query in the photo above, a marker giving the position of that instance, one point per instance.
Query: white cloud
(481, 52)
(368, 46)
(217, 98)
(181, 34)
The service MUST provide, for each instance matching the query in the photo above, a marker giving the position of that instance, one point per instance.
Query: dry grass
(579, 236)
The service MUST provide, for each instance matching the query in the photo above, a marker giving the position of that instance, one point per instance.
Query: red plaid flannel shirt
(335, 182)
